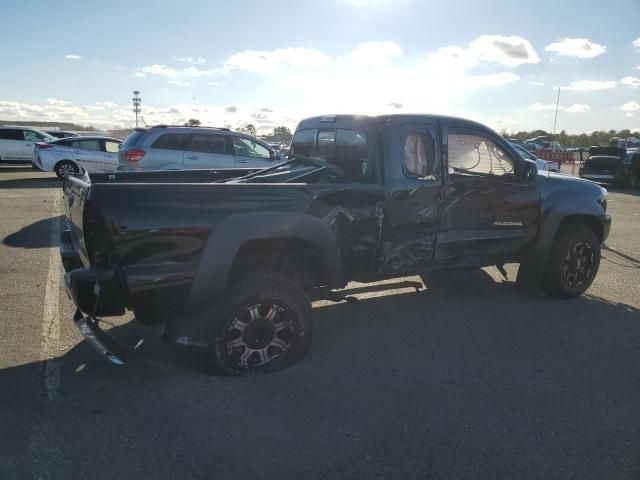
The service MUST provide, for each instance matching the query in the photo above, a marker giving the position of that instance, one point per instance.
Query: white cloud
(590, 85)
(271, 60)
(636, 43)
(578, 108)
(633, 82)
(537, 84)
(191, 60)
(630, 106)
(73, 57)
(161, 70)
(629, 115)
(179, 83)
(510, 51)
(57, 103)
(452, 58)
(538, 107)
(576, 47)
(139, 75)
(375, 53)
(575, 108)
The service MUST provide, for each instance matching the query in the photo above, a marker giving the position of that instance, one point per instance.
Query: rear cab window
(345, 148)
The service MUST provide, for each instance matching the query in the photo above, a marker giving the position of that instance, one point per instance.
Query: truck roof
(353, 121)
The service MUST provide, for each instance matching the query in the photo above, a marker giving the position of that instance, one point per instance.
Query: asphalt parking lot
(465, 379)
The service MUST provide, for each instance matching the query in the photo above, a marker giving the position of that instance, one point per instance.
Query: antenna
(553, 137)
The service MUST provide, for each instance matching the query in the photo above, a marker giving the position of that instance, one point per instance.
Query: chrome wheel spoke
(235, 343)
(244, 358)
(237, 325)
(283, 326)
(279, 343)
(264, 355)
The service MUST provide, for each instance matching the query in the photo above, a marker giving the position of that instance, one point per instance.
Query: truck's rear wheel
(266, 326)
(573, 262)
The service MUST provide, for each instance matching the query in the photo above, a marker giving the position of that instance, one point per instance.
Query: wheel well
(296, 258)
(590, 221)
(65, 160)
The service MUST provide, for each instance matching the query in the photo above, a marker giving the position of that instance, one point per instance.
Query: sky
(274, 63)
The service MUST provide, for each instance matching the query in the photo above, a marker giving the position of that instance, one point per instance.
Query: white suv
(16, 143)
(187, 148)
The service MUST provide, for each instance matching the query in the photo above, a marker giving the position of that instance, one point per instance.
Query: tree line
(599, 137)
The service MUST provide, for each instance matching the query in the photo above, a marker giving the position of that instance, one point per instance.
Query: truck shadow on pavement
(630, 262)
(405, 372)
(36, 235)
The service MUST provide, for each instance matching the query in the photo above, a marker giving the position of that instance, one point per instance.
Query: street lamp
(136, 104)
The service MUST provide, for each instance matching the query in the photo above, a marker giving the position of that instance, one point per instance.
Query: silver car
(185, 148)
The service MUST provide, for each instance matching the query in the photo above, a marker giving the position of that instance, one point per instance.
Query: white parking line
(51, 315)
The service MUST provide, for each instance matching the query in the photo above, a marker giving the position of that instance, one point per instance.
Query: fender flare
(227, 237)
(560, 205)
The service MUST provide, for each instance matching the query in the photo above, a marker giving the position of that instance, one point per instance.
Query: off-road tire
(557, 280)
(255, 293)
(62, 166)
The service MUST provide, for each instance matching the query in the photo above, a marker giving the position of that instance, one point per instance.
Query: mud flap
(98, 339)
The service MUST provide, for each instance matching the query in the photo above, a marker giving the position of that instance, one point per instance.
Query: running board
(98, 339)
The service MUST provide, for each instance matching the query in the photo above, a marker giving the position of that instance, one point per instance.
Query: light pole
(136, 104)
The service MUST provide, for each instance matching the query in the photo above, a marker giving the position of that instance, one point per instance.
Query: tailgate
(76, 190)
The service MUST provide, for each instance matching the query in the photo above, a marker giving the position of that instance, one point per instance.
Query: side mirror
(529, 169)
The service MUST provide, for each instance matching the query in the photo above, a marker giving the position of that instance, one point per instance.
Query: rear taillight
(134, 155)
(43, 146)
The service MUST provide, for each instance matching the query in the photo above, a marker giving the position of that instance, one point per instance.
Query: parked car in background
(61, 133)
(16, 143)
(184, 148)
(70, 156)
(542, 164)
(612, 164)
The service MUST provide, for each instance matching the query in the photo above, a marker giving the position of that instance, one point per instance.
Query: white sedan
(69, 156)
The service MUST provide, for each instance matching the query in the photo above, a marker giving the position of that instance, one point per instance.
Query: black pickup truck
(228, 260)
(612, 164)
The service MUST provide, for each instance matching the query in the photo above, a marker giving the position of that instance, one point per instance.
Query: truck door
(414, 178)
(490, 213)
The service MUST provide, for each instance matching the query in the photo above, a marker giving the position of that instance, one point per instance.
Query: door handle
(242, 160)
(192, 157)
(77, 152)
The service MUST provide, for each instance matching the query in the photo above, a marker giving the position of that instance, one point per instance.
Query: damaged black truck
(228, 260)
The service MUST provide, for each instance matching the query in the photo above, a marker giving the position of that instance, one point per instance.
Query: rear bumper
(96, 291)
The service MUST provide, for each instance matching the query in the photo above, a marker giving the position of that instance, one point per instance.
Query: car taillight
(134, 155)
(43, 146)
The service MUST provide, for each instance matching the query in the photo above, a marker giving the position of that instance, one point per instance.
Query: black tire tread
(552, 283)
(250, 288)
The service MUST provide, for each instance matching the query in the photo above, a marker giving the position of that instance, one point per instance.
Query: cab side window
(418, 156)
(477, 154)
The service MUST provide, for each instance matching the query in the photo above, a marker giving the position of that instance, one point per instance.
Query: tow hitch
(102, 342)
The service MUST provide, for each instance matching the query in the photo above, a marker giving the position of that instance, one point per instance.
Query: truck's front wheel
(266, 326)
(573, 262)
